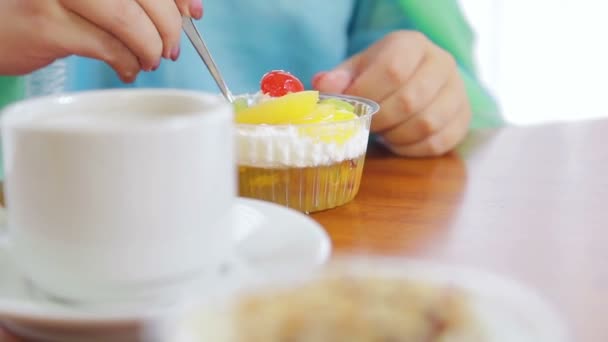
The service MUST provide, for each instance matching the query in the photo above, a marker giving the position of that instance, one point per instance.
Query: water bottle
(48, 80)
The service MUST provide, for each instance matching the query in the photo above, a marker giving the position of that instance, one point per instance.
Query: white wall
(546, 60)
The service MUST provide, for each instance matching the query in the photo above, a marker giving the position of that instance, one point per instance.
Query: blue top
(246, 41)
(249, 38)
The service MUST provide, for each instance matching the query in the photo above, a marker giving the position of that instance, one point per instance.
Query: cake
(300, 148)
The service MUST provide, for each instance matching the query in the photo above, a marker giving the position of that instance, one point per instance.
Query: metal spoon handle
(199, 45)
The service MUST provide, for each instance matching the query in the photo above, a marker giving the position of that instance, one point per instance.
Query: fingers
(383, 76)
(130, 35)
(390, 68)
(415, 113)
(99, 44)
(44, 31)
(5, 337)
(166, 17)
(334, 82)
(427, 123)
(415, 95)
(127, 21)
(438, 143)
(424, 105)
(191, 8)
(378, 71)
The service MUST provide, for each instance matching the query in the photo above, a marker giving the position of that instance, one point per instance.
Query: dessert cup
(307, 167)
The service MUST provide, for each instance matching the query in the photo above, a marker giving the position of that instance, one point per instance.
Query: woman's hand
(5, 337)
(129, 35)
(424, 106)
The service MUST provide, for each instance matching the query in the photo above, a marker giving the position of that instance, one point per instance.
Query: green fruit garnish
(240, 104)
(339, 104)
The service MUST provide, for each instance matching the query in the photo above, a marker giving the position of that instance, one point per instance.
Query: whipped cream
(282, 146)
(287, 146)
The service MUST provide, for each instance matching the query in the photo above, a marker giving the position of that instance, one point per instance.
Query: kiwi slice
(240, 104)
(339, 104)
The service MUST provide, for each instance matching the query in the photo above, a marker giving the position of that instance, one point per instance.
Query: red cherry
(278, 83)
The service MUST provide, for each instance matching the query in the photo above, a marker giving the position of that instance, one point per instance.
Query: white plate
(272, 239)
(506, 310)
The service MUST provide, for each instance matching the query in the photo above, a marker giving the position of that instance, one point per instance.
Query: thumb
(333, 82)
(336, 81)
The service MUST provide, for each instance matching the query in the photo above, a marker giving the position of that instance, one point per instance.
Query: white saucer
(272, 239)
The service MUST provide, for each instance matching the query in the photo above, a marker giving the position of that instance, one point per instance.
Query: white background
(545, 60)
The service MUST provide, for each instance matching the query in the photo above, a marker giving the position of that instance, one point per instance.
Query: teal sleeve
(11, 89)
(443, 22)
(486, 113)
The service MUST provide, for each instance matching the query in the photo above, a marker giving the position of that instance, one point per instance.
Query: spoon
(199, 45)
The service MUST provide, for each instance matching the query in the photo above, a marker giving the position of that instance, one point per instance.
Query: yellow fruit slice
(321, 113)
(280, 110)
(326, 113)
(336, 125)
(343, 115)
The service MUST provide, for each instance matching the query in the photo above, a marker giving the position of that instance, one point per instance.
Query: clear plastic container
(309, 167)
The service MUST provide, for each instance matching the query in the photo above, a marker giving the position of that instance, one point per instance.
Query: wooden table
(529, 203)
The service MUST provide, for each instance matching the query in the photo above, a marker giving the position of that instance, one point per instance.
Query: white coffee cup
(115, 193)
